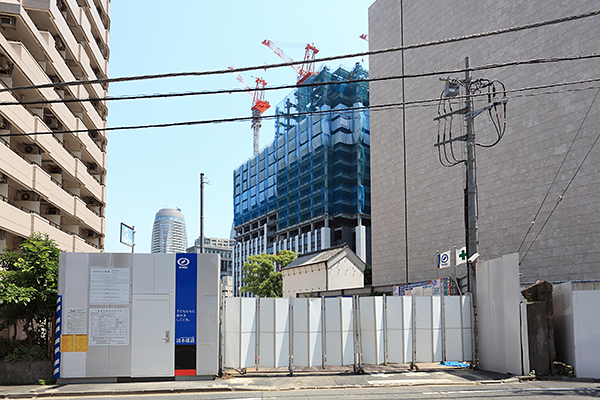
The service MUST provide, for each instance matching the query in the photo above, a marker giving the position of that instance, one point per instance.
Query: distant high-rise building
(53, 153)
(169, 234)
(222, 247)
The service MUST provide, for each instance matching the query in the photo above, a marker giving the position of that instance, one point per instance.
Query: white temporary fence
(345, 331)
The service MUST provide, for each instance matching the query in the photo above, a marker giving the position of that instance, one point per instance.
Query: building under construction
(310, 188)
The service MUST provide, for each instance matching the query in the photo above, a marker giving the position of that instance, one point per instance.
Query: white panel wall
(498, 298)
(323, 330)
(395, 332)
(577, 329)
(586, 319)
(371, 324)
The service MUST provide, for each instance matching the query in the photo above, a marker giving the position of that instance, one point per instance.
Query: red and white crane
(304, 70)
(259, 106)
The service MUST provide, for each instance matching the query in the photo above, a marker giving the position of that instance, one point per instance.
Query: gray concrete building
(417, 204)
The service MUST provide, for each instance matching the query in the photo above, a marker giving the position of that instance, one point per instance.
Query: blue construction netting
(317, 164)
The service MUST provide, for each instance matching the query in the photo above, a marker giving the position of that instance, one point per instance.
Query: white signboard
(444, 259)
(76, 321)
(461, 256)
(109, 326)
(109, 286)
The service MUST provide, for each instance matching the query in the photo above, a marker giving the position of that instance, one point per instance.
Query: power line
(313, 84)
(377, 107)
(554, 180)
(320, 60)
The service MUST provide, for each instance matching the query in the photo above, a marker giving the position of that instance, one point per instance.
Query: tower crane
(304, 70)
(259, 106)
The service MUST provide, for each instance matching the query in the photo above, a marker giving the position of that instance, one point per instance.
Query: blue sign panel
(186, 274)
(127, 233)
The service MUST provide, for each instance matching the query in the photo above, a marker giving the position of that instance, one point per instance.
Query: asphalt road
(543, 390)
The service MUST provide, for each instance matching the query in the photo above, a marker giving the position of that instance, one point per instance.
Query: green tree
(28, 287)
(262, 273)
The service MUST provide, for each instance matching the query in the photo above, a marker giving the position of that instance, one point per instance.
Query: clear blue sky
(150, 169)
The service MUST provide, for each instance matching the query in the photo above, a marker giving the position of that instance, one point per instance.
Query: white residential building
(53, 155)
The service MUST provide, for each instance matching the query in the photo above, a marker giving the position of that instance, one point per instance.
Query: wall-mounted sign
(109, 326)
(186, 278)
(109, 285)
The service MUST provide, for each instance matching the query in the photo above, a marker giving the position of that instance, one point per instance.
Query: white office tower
(53, 153)
(169, 234)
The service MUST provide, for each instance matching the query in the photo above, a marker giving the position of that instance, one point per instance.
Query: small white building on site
(334, 268)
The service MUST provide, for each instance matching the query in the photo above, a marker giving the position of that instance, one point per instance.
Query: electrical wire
(315, 84)
(554, 181)
(319, 60)
(378, 107)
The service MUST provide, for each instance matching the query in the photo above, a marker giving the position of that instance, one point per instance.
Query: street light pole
(201, 212)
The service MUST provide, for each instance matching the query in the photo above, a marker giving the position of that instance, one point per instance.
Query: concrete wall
(514, 176)
(24, 372)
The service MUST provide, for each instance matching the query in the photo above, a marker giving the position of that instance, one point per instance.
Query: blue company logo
(444, 259)
(183, 263)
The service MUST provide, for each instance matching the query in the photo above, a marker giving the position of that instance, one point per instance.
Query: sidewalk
(274, 380)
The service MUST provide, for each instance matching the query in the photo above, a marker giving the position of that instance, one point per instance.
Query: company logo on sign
(183, 263)
(444, 260)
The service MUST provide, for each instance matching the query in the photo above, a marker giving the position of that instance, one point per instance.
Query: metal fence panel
(317, 331)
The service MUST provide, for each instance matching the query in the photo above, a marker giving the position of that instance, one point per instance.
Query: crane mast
(259, 105)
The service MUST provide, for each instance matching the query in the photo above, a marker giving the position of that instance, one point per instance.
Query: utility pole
(447, 158)
(472, 238)
(202, 212)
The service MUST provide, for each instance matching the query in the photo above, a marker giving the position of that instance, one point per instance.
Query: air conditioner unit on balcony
(31, 149)
(90, 201)
(28, 196)
(6, 66)
(58, 43)
(4, 124)
(90, 234)
(55, 170)
(52, 122)
(92, 167)
(53, 211)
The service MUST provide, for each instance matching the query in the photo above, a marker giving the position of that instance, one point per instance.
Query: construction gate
(344, 331)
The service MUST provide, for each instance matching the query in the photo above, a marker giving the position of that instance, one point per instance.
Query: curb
(231, 389)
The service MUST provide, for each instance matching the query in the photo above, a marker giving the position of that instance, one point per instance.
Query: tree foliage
(368, 275)
(262, 273)
(28, 286)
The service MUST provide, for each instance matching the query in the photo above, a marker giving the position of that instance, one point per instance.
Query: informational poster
(81, 343)
(109, 285)
(109, 327)
(76, 321)
(435, 287)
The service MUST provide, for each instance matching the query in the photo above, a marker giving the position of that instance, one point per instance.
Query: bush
(20, 350)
